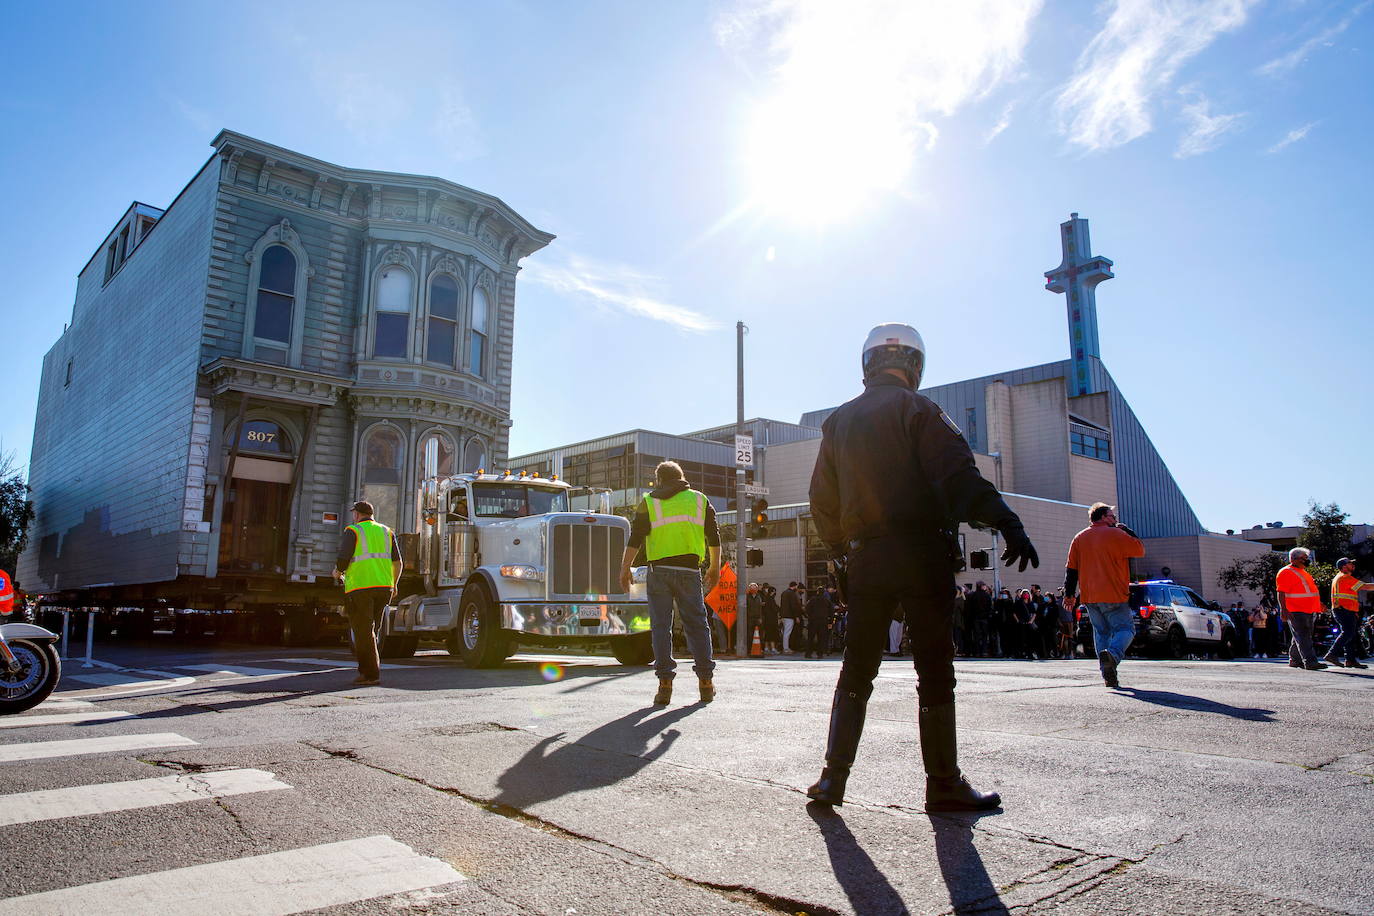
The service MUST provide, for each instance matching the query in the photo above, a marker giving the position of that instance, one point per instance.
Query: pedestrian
(676, 527)
(1024, 615)
(896, 631)
(791, 612)
(753, 606)
(1345, 604)
(958, 618)
(1008, 630)
(1066, 626)
(1098, 572)
(893, 479)
(979, 608)
(818, 611)
(369, 566)
(6, 596)
(771, 638)
(1259, 631)
(1299, 605)
(1241, 617)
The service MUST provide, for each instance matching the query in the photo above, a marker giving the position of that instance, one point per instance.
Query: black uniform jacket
(891, 462)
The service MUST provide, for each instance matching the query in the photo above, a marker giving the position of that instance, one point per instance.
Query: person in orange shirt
(6, 595)
(1345, 604)
(1098, 571)
(1299, 605)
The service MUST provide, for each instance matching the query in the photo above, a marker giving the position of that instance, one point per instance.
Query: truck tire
(396, 645)
(1178, 643)
(480, 642)
(633, 651)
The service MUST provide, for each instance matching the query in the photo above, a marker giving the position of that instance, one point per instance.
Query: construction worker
(676, 526)
(1345, 604)
(371, 564)
(6, 594)
(893, 479)
(1299, 605)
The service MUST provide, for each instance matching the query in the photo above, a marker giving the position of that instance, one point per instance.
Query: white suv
(1172, 619)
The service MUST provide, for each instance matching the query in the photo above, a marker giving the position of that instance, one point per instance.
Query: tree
(16, 511)
(1255, 574)
(1325, 532)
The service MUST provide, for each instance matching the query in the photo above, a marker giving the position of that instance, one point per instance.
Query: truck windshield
(513, 500)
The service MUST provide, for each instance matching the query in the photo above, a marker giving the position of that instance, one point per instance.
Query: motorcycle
(29, 666)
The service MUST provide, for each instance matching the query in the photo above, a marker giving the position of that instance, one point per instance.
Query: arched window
(393, 313)
(382, 455)
(441, 343)
(276, 297)
(446, 456)
(477, 347)
(474, 456)
(264, 437)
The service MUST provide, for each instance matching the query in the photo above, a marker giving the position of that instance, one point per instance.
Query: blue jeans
(1348, 642)
(1113, 627)
(667, 585)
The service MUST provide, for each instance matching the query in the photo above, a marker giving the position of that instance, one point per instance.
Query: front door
(255, 524)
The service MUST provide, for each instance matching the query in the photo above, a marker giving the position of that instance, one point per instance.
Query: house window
(382, 455)
(477, 351)
(393, 313)
(441, 343)
(446, 456)
(275, 303)
(1090, 446)
(474, 456)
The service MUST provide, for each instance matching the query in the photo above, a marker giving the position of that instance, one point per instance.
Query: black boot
(846, 727)
(946, 788)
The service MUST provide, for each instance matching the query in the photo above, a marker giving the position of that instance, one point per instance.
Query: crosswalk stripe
(57, 701)
(238, 670)
(41, 750)
(114, 679)
(275, 884)
(50, 804)
(331, 662)
(66, 718)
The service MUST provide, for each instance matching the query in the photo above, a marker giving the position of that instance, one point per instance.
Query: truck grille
(585, 559)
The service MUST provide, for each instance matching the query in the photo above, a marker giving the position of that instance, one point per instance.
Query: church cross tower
(1078, 275)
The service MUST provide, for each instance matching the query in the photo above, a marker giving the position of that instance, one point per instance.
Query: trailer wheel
(637, 650)
(480, 640)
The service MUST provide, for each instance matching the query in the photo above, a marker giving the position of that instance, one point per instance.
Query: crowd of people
(797, 621)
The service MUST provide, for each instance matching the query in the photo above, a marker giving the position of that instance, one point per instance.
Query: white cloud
(1285, 64)
(1203, 130)
(1136, 55)
(1003, 122)
(1293, 136)
(848, 91)
(615, 287)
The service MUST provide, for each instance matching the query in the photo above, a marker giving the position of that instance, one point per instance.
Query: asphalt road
(260, 781)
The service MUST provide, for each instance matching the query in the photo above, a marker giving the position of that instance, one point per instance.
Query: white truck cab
(502, 560)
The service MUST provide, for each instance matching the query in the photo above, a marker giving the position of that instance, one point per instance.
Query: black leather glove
(1019, 547)
(1128, 531)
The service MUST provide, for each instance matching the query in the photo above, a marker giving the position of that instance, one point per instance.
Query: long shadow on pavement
(867, 888)
(1200, 704)
(967, 879)
(604, 756)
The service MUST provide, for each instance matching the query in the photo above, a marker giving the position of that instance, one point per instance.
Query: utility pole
(741, 511)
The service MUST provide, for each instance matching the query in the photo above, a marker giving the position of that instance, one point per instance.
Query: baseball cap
(1344, 560)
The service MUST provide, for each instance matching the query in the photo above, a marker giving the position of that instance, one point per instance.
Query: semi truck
(504, 560)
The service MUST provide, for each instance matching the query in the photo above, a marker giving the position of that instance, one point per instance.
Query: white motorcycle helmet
(895, 346)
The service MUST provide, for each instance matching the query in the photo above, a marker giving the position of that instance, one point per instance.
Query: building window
(477, 350)
(272, 318)
(441, 343)
(446, 456)
(69, 374)
(263, 437)
(474, 456)
(971, 425)
(393, 313)
(1090, 446)
(382, 473)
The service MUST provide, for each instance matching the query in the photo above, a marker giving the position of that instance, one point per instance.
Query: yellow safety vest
(677, 525)
(371, 563)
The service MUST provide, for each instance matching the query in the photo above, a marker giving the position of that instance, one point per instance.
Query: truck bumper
(600, 619)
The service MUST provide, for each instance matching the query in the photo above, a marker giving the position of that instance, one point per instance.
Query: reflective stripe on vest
(677, 526)
(1307, 601)
(1345, 592)
(370, 566)
(6, 594)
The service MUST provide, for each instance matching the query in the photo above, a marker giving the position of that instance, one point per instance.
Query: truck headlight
(640, 575)
(525, 573)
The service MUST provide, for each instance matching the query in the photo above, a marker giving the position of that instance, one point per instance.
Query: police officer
(893, 479)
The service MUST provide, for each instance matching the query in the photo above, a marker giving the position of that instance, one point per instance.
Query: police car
(1173, 620)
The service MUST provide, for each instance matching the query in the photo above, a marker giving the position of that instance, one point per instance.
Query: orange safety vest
(1299, 589)
(6, 593)
(1345, 592)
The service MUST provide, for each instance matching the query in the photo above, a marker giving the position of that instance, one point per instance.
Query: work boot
(1107, 662)
(847, 712)
(665, 692)
(1355, 665)
(707, 688)
(946, 788)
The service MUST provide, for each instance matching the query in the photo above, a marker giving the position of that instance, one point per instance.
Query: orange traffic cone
(756, 650)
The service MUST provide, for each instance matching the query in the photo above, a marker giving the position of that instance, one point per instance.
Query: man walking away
(1098, 571)
(1299, 605)
(676, 526)
(893, 480)
(371, 564)
(1345, 604)
(791, 611)
(818, 611)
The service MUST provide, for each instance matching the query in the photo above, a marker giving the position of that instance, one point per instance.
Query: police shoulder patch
(950, 423)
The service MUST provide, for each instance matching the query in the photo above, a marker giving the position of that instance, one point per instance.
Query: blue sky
(810, 168)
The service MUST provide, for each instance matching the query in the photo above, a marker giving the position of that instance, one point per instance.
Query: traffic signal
(979, 559)
(753, 557)
(758, 518)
